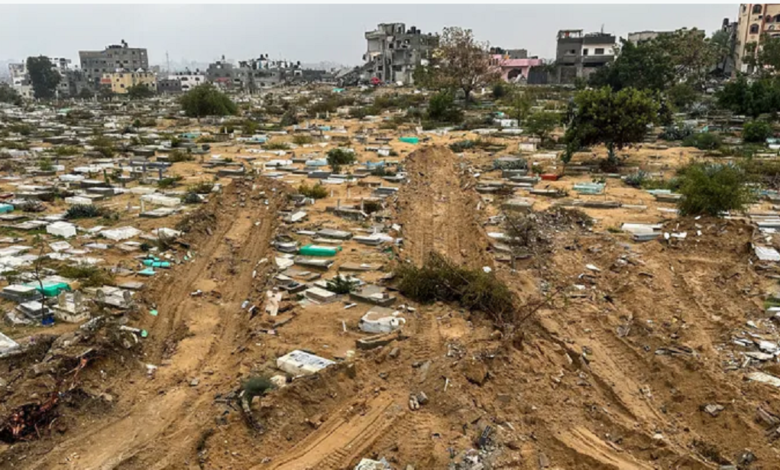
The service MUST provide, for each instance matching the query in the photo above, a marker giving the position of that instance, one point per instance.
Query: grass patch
(317, 191)
(441, 280)
(88, 276)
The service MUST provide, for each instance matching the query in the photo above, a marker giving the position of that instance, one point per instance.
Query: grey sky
(313, 33)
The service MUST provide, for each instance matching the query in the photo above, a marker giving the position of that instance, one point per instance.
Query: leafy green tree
(615, 119)
(641, 66)
(43, 76)
(756, 131)
(139, 92)
(710, 189)
(692, 54)
(766, 59)
(751, 99)
(682, 95)
(206, 100)
(9, 95)
(541, 124)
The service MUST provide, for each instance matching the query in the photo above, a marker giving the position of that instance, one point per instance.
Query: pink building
(513, 68)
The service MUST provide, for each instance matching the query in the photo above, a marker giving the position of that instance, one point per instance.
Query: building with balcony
(578, 55)
(754, 22)
(393, 52)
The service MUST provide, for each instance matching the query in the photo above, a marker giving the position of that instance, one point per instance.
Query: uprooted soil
(627, 346)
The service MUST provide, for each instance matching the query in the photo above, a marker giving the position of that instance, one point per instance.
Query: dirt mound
(438, 209)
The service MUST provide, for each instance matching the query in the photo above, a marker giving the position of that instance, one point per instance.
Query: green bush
(317, 191)
(710, 189)
(46, 165)
(703, 141)
(302, 139)
(441, 108)
(84, 211)
(756, 131)
(636, 179)
(276, 145)
(204, 187)
(169, 182)
(176, 156)
(104, 145)
(441, 280)
(339, 156)
(65, 151)
(191, 198)
(676, 132)
(369, 207)
(499, 90)
(206, 100)
(88, 276)
(256, 387)
(341, 285)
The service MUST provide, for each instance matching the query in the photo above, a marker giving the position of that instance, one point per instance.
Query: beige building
(120, 81)
(754, 21)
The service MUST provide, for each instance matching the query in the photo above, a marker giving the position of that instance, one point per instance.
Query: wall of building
(753, 20)
(120, 82)
(393, 51)
(96, 63)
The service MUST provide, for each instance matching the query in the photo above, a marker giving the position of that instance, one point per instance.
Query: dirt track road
(159, 420)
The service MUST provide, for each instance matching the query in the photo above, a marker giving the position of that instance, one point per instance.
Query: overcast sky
(313, 33)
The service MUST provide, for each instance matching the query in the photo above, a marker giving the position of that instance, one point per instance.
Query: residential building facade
(116, 56)
(120, 81)
(753, 22)
(188, 79)
(579, 55)
(393, 52)
(170, 85)
(513, 64)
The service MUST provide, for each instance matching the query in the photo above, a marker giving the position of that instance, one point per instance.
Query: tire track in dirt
(437, 209)
(158, 428)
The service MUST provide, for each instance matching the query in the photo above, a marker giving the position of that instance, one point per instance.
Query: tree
(520, 104)
(692, 55)
(764, 60)
(86, 94)
(541, 124)
(724, 48)
(206, 100)
(9, 95)
(682, 95)
(139, 92)
(461, 62)
(615, 119)
(643, 66)
(751, 99)
(756, 131)
(710, 189)
(43, 76)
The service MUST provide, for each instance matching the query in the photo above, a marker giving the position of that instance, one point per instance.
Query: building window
(777, 18)
(756, 9)
(754, 28)
(599, 51)
(584, 52)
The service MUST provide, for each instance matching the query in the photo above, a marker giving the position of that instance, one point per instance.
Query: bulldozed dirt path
(159, 419)
(439, 210)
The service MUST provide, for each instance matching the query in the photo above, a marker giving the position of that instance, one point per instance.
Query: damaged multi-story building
(578, 55)
(114, 57)
(393, 52)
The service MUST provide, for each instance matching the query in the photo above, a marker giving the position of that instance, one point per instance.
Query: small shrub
(83, 211)
(703, 141)
(65, 151)
(191, 198)
(339, 156)
(499, 90)
(88, 276)
(317, 191)
(756, 131)
(636, 179)
(169, 182)
(256, 387)
(277, 145)
(341, 285)
(302, 139)
(369, 207)
(176, 156)
(289, 118)
(46, 165)
(710, 189)
(204, 187)
(441, 280)
(676, 132)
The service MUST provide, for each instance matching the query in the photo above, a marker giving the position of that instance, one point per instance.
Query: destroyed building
(393, 52)
(116, 56)
(579, 55)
